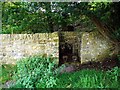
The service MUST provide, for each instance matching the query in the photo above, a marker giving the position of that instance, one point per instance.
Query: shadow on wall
(66, 54)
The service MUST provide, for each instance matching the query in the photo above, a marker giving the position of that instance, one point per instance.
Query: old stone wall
(94, 47)
(16, 46)
(89, 46)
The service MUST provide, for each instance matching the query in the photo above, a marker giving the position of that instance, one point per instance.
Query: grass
(88, 79)
(7, 72)
(81, 79)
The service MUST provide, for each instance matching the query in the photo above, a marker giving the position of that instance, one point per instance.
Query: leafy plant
(113, 72)
(6, 72)
(35, 72)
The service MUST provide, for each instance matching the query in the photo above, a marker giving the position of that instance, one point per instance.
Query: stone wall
(94, 47)
(16, 46)
(89, 46)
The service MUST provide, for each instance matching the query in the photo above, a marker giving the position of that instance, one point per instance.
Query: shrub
(35, 72)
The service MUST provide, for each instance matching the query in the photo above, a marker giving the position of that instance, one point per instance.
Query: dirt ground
(106, 64)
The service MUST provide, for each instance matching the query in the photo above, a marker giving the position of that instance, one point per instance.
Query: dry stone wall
(16, 46)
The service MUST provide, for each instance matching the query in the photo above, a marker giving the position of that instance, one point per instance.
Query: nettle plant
(35, 72)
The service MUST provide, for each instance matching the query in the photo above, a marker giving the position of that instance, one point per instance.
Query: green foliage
(117, 34)
(23, 17)
(37, 17)
(35, 72)
(42, 17)
(7, 72)
(114, 73)
(80, 79)
(89, 79)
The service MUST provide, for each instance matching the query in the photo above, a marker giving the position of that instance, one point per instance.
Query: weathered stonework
(89, 46)
(94, 47)
(16, 46)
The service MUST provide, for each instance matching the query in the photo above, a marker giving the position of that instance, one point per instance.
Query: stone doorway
(69, 48)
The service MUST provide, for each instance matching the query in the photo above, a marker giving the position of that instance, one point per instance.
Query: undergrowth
(7, 72)
(38, 72)
(35, 72)
(89, 79)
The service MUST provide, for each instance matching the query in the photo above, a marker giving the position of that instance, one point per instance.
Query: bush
(35, 72)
